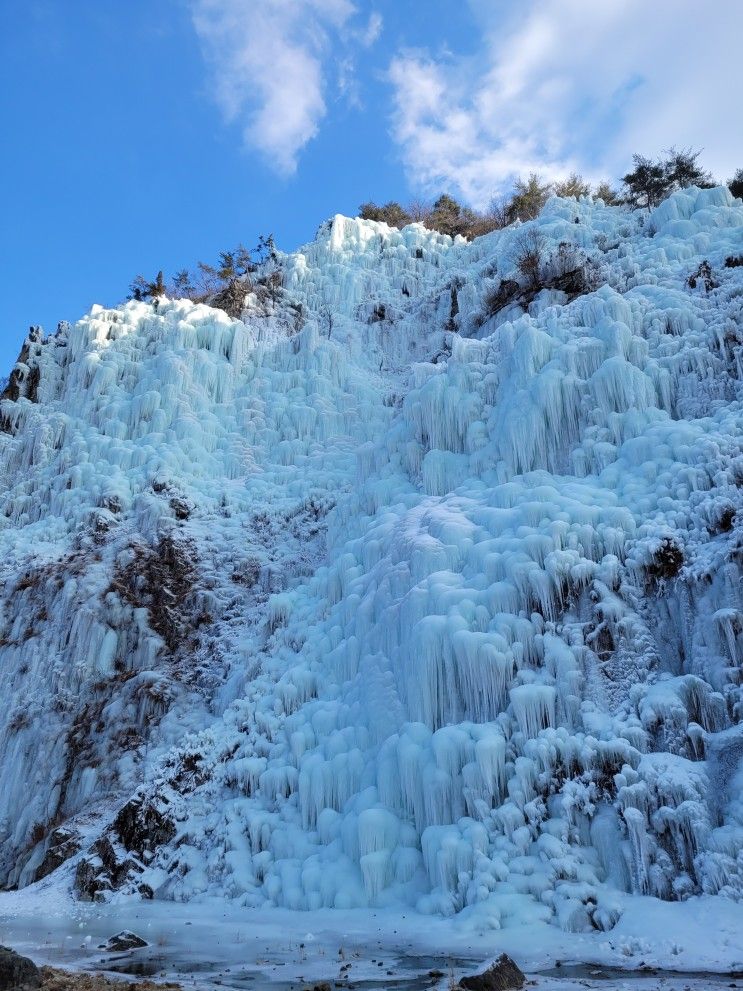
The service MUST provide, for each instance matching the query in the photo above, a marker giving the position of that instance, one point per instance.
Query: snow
(417, 610)
(221, 945)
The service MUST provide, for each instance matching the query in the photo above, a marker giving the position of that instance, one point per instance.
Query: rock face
(503, 975)
(417, 584)
(63, 844)
(17, 973)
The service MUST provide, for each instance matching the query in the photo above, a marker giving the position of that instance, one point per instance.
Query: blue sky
(152, 133)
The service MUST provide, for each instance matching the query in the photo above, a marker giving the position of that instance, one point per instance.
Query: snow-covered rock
(380, 596)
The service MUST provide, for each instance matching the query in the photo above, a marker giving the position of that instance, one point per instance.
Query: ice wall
(379, 595)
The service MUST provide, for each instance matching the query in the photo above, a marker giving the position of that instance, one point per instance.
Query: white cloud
(268, 65)
(372, 30)
(347, 81)
(562, 85)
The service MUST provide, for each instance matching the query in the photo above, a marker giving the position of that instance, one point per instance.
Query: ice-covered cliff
(420, 584)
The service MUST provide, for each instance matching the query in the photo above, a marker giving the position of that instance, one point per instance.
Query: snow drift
(404, 588)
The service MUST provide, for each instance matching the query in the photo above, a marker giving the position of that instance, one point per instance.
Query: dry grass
(62, 980)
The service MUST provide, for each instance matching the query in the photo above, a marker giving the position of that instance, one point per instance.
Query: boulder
(125, 940)
(17, 973)
(502, 975)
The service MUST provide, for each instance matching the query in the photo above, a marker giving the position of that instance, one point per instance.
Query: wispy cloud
(268, 63)
(559, 85)
(372, 30)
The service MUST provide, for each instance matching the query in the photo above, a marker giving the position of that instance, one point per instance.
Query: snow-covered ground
(381, 601)
(656, 944)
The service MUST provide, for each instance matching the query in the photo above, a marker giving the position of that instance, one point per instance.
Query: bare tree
(530, 256)
(419, 211)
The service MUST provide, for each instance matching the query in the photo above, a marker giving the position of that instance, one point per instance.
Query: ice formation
(379, 596)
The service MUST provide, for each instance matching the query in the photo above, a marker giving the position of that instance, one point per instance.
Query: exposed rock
(502, 975)
(143, 827)
(17, 973)
(24, 379)
(125, 940)
(63, 844)
(160, 579)
(105, 869)
(181, 508)
(85, 883)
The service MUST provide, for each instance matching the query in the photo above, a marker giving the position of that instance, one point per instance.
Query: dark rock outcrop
(116, 857)
(63, 844)
(125, 940)
(142, 827)
(17, 973)
(503, 975)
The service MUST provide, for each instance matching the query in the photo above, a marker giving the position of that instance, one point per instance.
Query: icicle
(534, 706)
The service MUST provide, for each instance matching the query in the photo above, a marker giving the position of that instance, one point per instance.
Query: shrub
(235, 264)
(498, 214)
(667, 560)
(158, 288)
(266, 249)
(224, 285)
(231, 298)
(395, 215)
(704, 276)
(570, 271)
(567, 270)
(446, 215)
(530, 257)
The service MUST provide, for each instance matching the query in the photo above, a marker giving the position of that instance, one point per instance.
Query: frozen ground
(697, 945)
(416, 590)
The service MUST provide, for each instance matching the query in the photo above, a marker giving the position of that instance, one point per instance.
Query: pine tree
(266, 249)
(446, 216)
(529, 197)
(139, 289)
(651, 181)
(157, 288)
(605, 192)
(575, 185)
(226, 267)
(647, 184)
(683, 170)
(182, 285)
